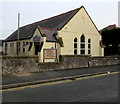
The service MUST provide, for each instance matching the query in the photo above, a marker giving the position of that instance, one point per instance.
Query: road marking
(99, 75)
(56, 82)
(37, 85)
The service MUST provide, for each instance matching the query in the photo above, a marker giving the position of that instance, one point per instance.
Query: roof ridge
(111, 25)
(106, 27)
(46, 28)
(51, 24)
(54, 16)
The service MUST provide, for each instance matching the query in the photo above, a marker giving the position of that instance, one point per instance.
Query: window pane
(82, 51)
(75, 52)
(89, 52)
(82, 45)
(23, 49)
(89, 46)
(82, 38)
(26, 42)
(75, 45)
(23, 43)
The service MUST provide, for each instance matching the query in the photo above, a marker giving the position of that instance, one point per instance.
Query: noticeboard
(37, 38)
(50, 53)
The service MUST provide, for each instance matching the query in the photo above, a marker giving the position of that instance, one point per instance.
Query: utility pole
(18, 45)
(119, 14)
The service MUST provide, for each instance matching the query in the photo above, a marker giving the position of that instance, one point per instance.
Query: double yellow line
(57, 82)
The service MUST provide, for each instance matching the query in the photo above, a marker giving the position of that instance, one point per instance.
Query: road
(92, 89)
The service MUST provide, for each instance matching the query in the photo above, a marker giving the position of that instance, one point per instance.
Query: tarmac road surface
(92, 89)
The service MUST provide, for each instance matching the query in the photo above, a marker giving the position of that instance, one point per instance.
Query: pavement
(23, 79)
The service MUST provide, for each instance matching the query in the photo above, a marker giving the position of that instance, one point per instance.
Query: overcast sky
(102, 12)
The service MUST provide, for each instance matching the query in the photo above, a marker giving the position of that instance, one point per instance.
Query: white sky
(102, 12)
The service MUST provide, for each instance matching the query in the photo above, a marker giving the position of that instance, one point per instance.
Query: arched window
(75, 46)
(82, 44)
(89, 46)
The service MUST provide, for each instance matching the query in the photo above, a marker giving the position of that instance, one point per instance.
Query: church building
(70, 33)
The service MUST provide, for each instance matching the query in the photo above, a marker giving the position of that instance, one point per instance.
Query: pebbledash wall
(12, 65)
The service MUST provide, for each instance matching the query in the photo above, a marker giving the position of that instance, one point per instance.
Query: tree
(111, 40)
(111, 37)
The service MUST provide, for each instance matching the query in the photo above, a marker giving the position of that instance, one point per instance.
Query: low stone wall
(104, 61)
(19, 64)
(12, 65)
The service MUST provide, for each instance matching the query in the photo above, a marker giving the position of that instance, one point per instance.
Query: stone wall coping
(8, 57)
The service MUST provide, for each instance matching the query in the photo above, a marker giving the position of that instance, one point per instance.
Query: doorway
(37, 46)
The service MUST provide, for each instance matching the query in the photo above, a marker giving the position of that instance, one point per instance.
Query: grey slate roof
(52, 24)
(49, 34)
(108, 28)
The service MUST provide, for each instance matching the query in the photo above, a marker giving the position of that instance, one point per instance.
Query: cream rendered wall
(26, 53)
(8, 48)
(26, 48)
(68, 39)
(78, 25)
(46, 45)
(32, 51)
(14, 52)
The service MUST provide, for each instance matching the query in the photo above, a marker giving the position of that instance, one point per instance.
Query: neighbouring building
(111, 40)
(110, 27)
(70, 33)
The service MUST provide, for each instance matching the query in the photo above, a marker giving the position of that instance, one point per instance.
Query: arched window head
(89, 41)
(75, 40)
(82, 38)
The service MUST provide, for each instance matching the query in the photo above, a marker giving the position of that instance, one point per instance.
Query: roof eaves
(16, 39)
(52, 29)
(39, 28)
(46, 28)
(51, 40)
(54, 17)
